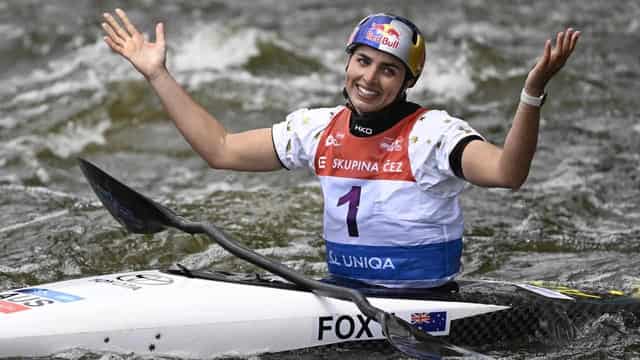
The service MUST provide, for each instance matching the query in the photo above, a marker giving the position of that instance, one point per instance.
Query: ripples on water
(64, 96)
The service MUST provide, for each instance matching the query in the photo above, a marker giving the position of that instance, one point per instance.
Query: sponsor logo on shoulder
(392, 144)
(135, 281)
(25, 299)
(334, 141)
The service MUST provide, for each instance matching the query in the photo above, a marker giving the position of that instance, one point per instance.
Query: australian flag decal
(430, 322)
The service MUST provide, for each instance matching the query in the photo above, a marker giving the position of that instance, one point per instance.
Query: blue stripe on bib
(421, 262)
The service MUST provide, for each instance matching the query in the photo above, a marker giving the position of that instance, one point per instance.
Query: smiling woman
(418, 159)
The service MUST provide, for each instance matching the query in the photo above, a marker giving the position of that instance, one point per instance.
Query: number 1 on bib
(353, 198)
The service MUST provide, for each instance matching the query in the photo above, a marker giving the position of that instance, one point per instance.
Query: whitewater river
(64, 96)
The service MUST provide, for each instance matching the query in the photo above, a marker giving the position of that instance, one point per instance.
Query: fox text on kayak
(343, 327)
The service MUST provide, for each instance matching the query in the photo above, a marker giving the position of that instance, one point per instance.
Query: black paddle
(141, 215)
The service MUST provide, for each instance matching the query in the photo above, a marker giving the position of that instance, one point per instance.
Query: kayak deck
(534, 316)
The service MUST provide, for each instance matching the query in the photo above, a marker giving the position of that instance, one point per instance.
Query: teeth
(366, 92)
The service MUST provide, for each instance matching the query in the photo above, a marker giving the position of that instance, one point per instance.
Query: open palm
(552, 60)
(148, 57)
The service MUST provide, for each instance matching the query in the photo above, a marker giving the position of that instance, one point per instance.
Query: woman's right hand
(147, 57)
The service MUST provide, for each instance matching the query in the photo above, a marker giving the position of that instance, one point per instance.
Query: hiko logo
(363, 130)
(384, 34)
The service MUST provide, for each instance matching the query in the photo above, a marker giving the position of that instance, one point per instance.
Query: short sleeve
(434, 136)
(453, 133)
(296, 139)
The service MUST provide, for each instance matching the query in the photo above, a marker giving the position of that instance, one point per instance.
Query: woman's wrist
(536, 100)
(158, 75)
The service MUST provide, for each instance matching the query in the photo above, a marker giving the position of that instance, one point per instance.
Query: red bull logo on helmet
(384, 34)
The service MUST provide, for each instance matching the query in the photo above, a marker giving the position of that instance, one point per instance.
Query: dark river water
(64, 96)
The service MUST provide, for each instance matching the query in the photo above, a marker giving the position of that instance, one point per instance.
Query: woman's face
(373, 79)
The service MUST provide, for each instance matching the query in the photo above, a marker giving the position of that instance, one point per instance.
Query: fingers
(113, 45)
(111, 35)
(560, 40)
(570, 41)
(119, 34)
(160, 34)
(127, 24)
(116, 33)
(546, 54)
(553, 58)
(566, 41)
(565, 44)
(574, 40)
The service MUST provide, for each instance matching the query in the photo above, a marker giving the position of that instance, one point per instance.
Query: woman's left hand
(552, 60)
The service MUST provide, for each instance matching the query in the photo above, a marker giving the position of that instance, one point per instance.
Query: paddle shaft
(319, 287)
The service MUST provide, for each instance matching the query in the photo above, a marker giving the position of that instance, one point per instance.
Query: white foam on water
(216, 46)
(72, 140)
(41, 88)
(9, 31)
(34, 111)
(24, 148)
(492, 72)
(83, 59)
(8, 122)
(482, 31)
(37, 190)
(76, 137)
(293, 250)
(198, 194)
(213, 254)
(446, 77)
(217, 51)
(37, 220)
(565, 176)
(28, 268)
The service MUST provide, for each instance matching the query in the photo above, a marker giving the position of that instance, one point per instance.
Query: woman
(391, 171)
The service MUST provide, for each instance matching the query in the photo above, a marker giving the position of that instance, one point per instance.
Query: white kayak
(155, 312)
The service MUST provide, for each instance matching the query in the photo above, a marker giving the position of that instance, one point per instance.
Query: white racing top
(391, 212)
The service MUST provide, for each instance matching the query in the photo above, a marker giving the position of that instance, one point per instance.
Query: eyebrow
(388, 64)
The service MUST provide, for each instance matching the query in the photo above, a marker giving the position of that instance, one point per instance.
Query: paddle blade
(418, 344)
(135, 212)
